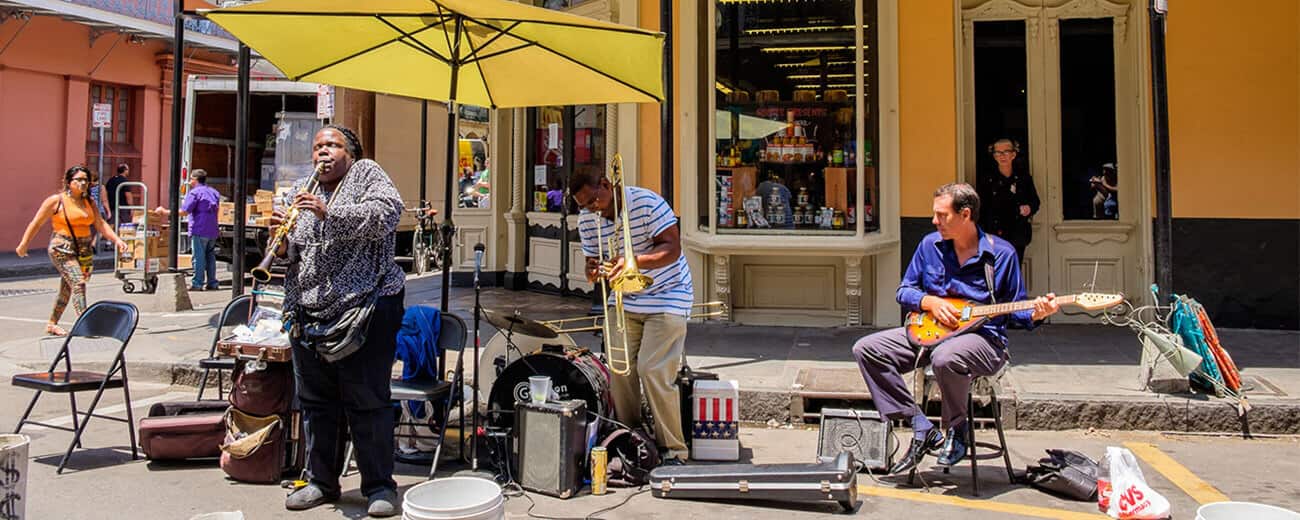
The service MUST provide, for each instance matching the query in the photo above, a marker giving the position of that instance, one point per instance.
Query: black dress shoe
(954, 448)
(917, 451)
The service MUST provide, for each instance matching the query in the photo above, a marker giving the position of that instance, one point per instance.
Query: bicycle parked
(426, 241)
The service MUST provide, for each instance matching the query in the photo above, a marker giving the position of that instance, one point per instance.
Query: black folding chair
(236, 313)
(451, 336)
(106, 319)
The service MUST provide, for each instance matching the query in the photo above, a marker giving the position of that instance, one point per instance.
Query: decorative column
(722, 283)
(853, 289)
(516, 220)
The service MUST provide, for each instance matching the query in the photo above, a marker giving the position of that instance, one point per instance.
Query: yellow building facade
(858, 110)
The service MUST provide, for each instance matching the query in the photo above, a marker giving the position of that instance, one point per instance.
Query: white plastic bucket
(1244, 511)
(13, 476)
(454, 498)
(225, 515)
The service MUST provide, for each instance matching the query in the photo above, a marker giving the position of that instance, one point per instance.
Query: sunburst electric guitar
(923, 330)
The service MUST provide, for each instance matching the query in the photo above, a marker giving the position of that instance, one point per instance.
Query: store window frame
(867, 15)
(568, 153)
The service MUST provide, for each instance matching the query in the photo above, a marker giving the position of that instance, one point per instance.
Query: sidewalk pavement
(1061, 376)
(38, 263)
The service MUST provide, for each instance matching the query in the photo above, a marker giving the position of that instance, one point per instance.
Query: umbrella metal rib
(426, 49)
(365, 51)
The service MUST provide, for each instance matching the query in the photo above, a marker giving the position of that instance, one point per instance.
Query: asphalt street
(103, 482)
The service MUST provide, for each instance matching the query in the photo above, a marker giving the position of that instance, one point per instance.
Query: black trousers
(355, 388)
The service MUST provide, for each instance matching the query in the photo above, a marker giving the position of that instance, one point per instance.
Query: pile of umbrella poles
(1182, 336)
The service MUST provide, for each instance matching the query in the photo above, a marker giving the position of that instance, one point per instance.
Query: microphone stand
(478, 310)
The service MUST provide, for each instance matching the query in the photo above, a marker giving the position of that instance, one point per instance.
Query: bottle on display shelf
(866, 209)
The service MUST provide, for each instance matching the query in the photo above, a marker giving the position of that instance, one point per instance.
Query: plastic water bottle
(1103, 484)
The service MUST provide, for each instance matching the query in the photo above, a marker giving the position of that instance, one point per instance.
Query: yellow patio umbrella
(492, 53)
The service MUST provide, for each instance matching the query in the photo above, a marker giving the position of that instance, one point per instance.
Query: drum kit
(524, 347)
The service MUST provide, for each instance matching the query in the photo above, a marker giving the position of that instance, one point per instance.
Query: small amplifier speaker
(552, 446)
(864, 433)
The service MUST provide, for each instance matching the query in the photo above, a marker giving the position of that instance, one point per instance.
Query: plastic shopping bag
(1125, 494)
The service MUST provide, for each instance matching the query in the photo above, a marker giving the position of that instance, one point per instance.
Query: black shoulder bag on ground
(87, 261)
(1067, 473)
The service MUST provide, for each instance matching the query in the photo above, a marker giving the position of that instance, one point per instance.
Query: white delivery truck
(281, 124)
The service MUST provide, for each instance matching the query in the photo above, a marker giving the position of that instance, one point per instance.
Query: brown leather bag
(179, 437)
(253, 450)
(268, 390)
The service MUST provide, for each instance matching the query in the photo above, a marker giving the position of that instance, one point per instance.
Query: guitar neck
(999, 309)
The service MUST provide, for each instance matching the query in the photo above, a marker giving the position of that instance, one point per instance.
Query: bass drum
(574, 373)
(496, 347)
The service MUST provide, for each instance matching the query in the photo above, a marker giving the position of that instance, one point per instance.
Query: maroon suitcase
(178, 437)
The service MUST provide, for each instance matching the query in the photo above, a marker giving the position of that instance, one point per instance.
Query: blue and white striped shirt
(649, 215)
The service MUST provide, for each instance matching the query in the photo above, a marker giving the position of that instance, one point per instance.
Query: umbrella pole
(448, 227)
(424, 151)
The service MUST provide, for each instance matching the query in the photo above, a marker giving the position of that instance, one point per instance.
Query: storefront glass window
(1090, 183)
(473, 162)
(792, 85)
(551, 157)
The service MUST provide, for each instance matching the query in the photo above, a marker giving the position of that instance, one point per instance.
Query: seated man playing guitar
(957, 261)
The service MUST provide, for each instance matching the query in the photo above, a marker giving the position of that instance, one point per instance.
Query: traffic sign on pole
(102, 115)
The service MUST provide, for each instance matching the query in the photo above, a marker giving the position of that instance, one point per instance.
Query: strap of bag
(76, 247)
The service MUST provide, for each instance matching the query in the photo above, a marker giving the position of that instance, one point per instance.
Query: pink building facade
(56, 60)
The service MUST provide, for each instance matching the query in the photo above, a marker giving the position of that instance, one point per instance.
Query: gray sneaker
(383, 504)
(307, 497)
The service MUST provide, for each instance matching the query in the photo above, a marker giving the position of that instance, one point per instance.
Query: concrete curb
(46, 268)
(1020, 412)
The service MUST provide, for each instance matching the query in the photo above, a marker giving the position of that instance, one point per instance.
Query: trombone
(596, 323)
(629, 280)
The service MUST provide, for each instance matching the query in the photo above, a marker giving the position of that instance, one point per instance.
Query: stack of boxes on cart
(148, 241)
(257, 212)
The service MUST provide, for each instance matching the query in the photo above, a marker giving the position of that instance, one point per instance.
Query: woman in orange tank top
(72, 215)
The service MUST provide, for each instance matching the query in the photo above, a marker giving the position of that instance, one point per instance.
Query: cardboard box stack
(257, 213)
(149, 246)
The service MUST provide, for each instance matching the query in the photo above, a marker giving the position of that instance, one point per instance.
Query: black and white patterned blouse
(336, 263)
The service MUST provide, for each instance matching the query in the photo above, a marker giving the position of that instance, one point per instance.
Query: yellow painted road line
(1198, 489)
(983, 505)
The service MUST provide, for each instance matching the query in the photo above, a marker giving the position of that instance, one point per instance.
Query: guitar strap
(988, 278)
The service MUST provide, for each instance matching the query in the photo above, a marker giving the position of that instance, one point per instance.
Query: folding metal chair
(236, 313)
(105, 319)
(451, 336)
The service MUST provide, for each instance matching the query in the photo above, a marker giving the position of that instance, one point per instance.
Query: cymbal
(518, 324)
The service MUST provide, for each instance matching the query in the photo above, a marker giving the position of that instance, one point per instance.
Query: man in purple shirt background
(201, 204)
(956, 261)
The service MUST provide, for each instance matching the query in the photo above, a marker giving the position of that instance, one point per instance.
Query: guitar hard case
(835, 480)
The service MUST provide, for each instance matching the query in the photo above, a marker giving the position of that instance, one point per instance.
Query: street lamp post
(1163, 231)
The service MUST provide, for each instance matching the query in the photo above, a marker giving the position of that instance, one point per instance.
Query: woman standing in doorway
(72, 214)
(1007, 197)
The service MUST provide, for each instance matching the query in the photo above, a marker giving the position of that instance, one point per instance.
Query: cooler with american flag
(715, 421)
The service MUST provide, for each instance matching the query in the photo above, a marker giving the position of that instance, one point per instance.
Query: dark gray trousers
(354, 394)
(883, 358)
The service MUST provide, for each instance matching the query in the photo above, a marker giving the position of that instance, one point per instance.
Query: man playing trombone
(653, 319)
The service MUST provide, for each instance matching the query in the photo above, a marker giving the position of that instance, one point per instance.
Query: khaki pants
(655, 343)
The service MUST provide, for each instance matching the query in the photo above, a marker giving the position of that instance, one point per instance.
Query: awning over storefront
(156, 26)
